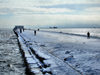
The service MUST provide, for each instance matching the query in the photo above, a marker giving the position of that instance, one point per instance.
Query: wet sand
(11, 62)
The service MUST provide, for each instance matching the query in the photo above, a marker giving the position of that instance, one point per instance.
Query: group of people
(21, 30)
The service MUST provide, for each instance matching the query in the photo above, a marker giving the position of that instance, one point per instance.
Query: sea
(11, 61)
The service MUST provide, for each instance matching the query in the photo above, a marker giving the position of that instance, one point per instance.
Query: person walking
(88, 34)
(35, 32)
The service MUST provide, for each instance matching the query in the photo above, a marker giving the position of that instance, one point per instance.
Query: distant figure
(23, 29)
(38, 29)
(35, 32)
(88, 34)
(20, 30)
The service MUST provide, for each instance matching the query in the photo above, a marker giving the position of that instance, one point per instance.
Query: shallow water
(11, 62)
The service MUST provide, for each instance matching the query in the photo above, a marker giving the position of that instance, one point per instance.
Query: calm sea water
(11, 62)
(81, 31)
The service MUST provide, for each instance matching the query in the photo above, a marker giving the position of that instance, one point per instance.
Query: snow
(64, 52)
(30, 61)
(27, 55)
(33, 65)
(40, 53)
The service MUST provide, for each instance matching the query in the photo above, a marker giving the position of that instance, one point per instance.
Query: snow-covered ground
(72, 55)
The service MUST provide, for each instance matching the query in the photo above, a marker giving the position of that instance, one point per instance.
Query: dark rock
(69, 59)
(67, 52)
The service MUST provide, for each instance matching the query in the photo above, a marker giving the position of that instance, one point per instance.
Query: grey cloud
(44, 12)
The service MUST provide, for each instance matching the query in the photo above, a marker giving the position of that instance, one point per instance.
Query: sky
(62, 13)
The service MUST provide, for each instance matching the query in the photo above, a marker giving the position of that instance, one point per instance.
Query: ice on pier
(65, 53)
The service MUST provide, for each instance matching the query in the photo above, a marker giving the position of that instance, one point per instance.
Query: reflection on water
(11, 62)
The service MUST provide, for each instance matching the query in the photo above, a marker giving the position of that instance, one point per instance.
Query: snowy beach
(66, 54)
(49, 37)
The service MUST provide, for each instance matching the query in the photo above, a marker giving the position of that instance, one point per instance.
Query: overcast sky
(69, 13)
